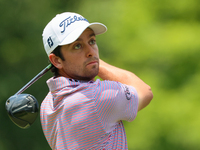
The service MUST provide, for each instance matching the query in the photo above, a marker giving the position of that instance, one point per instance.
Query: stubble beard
(90, 74)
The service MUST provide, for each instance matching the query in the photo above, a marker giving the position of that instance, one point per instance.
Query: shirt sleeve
(116, 101)
(126, 103)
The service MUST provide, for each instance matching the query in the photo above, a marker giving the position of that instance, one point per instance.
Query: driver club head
(22, 109)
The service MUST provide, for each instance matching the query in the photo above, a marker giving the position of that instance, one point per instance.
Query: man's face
(81, 57)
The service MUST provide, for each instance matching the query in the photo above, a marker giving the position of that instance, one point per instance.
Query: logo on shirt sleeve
(127, 93)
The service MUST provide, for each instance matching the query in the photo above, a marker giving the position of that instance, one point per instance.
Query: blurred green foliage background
(157, 40)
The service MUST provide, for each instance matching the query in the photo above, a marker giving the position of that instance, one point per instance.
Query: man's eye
(78, 46)
(92, 41)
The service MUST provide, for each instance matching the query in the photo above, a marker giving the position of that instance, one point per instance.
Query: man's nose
(90, 51)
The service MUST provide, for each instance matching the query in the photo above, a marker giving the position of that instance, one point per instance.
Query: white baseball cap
(65, 28)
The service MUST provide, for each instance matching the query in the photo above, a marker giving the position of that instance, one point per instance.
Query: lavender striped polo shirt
(87, 115)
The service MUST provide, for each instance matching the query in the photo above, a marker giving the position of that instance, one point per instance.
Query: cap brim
(98, 28)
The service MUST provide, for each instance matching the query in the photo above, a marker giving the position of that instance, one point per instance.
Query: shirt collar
(61, 82)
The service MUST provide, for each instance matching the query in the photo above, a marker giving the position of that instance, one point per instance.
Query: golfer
(80, 112)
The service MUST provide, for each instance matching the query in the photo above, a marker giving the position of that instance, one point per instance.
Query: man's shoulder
(107, 84)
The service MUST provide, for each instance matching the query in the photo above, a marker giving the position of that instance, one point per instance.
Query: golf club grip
(39, 75)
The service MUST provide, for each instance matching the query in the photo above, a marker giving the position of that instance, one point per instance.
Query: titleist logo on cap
(68, 21)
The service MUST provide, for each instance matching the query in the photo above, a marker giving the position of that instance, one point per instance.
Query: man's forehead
(90, 33)
(87, 32)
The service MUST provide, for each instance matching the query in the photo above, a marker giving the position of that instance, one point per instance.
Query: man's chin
(90, 76)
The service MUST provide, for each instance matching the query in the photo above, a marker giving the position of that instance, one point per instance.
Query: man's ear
(55, 60)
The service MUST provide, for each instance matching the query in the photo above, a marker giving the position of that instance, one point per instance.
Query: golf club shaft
(39, 75)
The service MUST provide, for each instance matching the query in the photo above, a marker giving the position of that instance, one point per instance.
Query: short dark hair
(57, 52)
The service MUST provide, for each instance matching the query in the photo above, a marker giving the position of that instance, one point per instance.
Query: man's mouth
(92, 62)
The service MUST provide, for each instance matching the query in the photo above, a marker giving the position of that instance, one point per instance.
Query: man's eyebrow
(92, 35)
